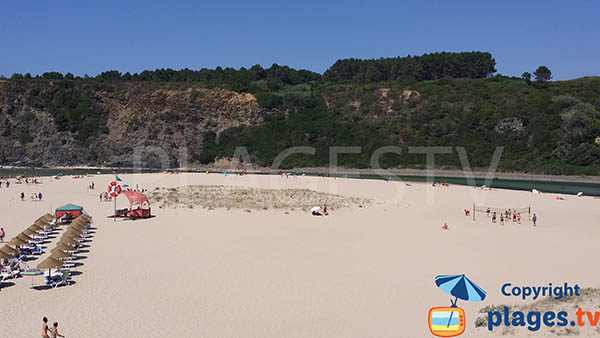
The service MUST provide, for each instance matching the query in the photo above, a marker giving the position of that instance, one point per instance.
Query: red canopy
(137, 199)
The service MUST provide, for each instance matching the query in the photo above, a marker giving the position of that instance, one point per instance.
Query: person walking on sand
(22, 196)
(494, 217)
(445, 226)
(501, 219)
(2, 234)
(45, 328)
(534, 220)
(54, 331)
(40, 196)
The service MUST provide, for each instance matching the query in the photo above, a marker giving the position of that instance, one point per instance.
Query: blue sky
(88, 37)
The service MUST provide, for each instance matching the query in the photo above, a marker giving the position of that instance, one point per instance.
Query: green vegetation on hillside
(544, 129)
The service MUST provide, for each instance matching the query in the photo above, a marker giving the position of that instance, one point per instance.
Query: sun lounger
(38, 251)
(64, 280)
(11, 273)
(68, 264)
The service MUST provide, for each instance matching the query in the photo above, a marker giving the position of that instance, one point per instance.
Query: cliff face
(49, 124)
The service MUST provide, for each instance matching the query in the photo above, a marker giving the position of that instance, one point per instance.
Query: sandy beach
(205, 269)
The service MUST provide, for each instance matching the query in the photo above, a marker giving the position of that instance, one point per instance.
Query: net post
(529, 213)
(473, 211)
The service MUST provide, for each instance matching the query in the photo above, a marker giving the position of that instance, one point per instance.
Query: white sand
(362, 272)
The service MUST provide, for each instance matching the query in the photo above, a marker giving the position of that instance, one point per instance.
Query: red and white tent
(139, 204)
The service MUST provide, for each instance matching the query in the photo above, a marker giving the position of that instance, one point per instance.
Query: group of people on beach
(31, 180)
(50, 332)
(35, 196)
(507, 215)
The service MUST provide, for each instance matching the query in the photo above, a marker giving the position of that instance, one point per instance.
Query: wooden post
(473, 211)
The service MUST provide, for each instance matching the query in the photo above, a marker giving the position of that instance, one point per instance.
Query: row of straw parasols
(65, 248)
(24, 237)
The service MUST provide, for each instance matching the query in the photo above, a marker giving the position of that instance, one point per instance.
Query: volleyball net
(489, 211)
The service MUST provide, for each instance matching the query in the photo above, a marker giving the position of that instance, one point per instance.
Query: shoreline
(439, 173)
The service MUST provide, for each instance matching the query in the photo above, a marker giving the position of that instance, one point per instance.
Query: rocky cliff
(46, 123)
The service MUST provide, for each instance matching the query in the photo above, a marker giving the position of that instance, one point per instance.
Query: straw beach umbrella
(36, 226)
(24, 237)
(46, 218)
(4, 255)
(72, 234)
(9, 250)
(40, 223)
(65, 247)
(71, 238)
(69, 242)
(50, 263)
(29, 232)
(58, 251)
(59, 254)
(17, 241)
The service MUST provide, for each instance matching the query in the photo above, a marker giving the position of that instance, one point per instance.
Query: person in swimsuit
(54, 331)
(45, 328)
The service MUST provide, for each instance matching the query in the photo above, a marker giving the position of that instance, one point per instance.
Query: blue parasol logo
(450, 321)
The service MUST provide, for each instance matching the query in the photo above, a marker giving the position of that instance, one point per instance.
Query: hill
(551, 127)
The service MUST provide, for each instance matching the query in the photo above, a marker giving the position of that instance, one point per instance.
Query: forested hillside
(449, 99)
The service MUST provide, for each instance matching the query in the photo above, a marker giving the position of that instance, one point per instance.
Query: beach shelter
(139, 204)
(71, 209)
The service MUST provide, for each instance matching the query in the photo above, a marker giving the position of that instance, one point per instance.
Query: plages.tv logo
(449, 321)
